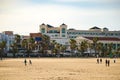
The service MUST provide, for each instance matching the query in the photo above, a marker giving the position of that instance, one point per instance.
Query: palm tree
(110, 47)
(17, 38)
(62, 48)
(83, 46)
(24, 45)
(45, 44)
(95, 40)
(73, 45)
(53, 42)
(57, 47)
(14, 48)
(2, 46)
(30, 45)
(118, 51)
(105, 50)
(99, 48)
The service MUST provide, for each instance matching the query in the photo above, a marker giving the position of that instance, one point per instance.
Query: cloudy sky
(25, 16)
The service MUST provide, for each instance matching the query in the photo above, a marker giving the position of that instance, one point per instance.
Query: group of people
(107, 62)
(99, 60)
(25, 61)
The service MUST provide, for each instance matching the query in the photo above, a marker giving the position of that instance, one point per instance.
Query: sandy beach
(59, 69)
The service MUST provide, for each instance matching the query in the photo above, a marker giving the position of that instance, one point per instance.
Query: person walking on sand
(106, 62)
(114, 61)
(98, 61)
(25, 61)
(30, 62)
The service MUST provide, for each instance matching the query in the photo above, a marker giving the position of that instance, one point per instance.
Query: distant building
(105, 40)
(63, 35)
(36, 36)
(10, 33)
(8, 37)
(59, 34)
(92, 32)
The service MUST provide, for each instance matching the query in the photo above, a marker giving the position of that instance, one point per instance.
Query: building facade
(62, 35)
(106, 41)
(59, 34)
(93, 32)
(8, 37)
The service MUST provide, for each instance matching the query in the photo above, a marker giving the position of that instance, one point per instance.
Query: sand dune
(58, 69)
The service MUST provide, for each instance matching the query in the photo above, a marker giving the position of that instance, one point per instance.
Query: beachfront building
(106, 42)
(59, 34)
(93, 32)
(62, 35)
(8, 37)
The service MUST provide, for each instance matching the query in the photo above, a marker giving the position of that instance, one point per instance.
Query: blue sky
(25, 16)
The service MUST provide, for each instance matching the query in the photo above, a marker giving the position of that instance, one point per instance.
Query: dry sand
(59, 69)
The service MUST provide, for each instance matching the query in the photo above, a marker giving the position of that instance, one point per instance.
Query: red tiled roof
(105, 38)
(35, 35)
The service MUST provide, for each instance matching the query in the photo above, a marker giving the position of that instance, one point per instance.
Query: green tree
(57, 47)
(14, 49)
(100, 48)
(95, 40)
(53, 42)
(63, 48)
(73, 45)
(110, 48)
(24, 44)
(31, 43)
(118, 51)
(2, 46)
(17, 38)
(83, 46)
(45, 43)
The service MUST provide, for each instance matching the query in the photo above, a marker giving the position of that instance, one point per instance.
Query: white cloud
(27, 18)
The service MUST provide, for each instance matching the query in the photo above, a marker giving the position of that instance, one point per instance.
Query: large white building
(93, 32)
(62, 32)
(59, 34)
(62, 35)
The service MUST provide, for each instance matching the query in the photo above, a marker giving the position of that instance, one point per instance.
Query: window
(43, 30)
(116, 34)
(63, 35)
(63, 30)
(118, 45)
(114, 46)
